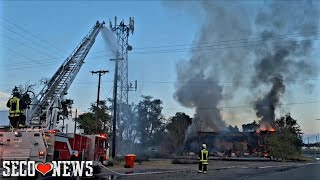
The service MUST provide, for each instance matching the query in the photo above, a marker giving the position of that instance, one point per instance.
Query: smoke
(110, 40)
(279, 56)
(266, 106)
(283, 59)
(201, 72)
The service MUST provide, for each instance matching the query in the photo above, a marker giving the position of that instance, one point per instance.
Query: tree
(66, 107)
(177, 131)
(87, 122)
(128, 124)
(251, 127)
(286, 142)
(150, 126)
(232, 129)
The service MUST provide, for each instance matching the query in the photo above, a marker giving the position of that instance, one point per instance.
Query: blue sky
(64, 24)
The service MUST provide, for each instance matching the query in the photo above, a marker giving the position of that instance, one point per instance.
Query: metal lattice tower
(123, 31)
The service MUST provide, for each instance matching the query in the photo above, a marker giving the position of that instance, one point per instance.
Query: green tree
(126, 127)
(177, 131)
(87, 121)
(66, 107)
(286, 142)
(150, 121)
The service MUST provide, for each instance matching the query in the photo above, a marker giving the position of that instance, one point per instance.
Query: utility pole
(75, 122)
(115, 88)
(100, 73)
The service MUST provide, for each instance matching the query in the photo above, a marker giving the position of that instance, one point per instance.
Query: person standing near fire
(17, 108)
(203, 159)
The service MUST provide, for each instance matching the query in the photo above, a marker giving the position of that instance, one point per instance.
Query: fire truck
(40, 140)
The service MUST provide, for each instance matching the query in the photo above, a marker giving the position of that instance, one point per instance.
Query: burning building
(226, 143)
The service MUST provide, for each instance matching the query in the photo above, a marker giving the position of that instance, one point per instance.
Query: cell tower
(122, 31)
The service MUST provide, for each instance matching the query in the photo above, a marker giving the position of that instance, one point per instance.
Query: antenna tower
(122, 31)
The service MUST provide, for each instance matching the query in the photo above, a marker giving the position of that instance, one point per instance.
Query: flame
(265, 127)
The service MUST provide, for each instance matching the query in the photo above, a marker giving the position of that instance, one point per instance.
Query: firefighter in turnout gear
(17, 109)
(203, 159)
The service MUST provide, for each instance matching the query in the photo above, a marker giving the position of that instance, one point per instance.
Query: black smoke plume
(287, 33)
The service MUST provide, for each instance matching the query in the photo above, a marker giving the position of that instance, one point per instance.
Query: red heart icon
(44, 168)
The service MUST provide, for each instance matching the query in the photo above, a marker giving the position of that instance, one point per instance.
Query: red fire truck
(40, 141)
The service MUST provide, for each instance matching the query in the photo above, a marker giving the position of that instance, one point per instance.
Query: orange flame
(265, 127)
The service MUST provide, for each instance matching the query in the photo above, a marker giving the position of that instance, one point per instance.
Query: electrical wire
(31, 41)
(212, 82)
(26, 45)
(244, 106)
(32, 34)
(21, 54)
(227, 42)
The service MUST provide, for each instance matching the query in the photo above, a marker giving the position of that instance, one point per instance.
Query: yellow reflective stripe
(204, 156)
(201, 155)
(15, 101)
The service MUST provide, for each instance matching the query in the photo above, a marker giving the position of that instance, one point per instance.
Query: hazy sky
(157, 24)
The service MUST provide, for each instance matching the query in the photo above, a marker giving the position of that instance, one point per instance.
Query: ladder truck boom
(40, 141)
(45, 106)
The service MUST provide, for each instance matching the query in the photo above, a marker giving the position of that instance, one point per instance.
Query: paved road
(308, 172)
(229, 171)
(299, 172)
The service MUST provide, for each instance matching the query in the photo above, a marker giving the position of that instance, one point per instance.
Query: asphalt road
(223, 170)
(299, 172)
(308, 172)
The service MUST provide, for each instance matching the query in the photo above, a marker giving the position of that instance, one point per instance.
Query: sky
(63, 24)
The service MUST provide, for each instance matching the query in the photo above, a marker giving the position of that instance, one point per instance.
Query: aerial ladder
(40, 141)
(44, 108)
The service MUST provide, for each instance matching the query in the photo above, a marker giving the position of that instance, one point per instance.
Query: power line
(31, 41)
(16, 67)
(217, 82)
(32, 34)
(29, 67)
(208, 82)
(183, 50)
(236, 41)
(243, 106)
(206, 49)
(233, 42)
(21, 54)
(167, 51)
(26, 45)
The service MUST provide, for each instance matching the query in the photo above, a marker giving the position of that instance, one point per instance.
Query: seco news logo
(55, 168)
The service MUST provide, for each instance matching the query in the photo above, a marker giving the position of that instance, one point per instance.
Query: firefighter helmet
(15, 91)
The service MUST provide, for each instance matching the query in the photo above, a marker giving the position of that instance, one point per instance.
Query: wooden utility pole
(100, 73)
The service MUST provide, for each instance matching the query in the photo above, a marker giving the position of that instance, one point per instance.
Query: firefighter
(203, 159)
(17, 108)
